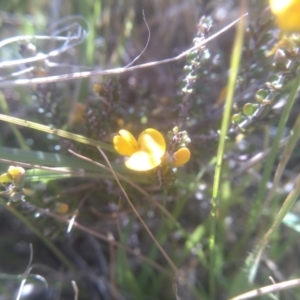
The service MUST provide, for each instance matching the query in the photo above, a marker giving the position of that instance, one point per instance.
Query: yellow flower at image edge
(145, 153)
(287, 13)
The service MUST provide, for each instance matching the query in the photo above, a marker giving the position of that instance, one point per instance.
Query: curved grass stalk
(288, 203)
(87, 74)
(234, 66)
(163, 252)
(58, 132)
(269, 289)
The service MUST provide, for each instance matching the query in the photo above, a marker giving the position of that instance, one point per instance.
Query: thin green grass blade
(67, 165)
(286, 154)
(234, 66)
(290, 200)
(46, 159)
(285, 208)
(125, 277)
(58, 132)
(255, 212)
(41, 158)
(39, 175)
(251, 264)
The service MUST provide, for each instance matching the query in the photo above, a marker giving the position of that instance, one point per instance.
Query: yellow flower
(61, 208)
(287, 13)
(15, 175)
(181, 157)
(145, 153)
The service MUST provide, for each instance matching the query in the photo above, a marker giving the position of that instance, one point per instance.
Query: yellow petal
(18, 175)
(61, 208)
(125, 143)
(287, 13)
(152, 141)
(142, 161)
(278, 6)
(5, 178)
(181, 157)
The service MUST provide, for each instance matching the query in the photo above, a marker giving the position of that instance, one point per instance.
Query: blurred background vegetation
(71, 233)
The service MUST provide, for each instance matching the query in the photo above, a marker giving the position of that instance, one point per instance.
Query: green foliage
(78, 224)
